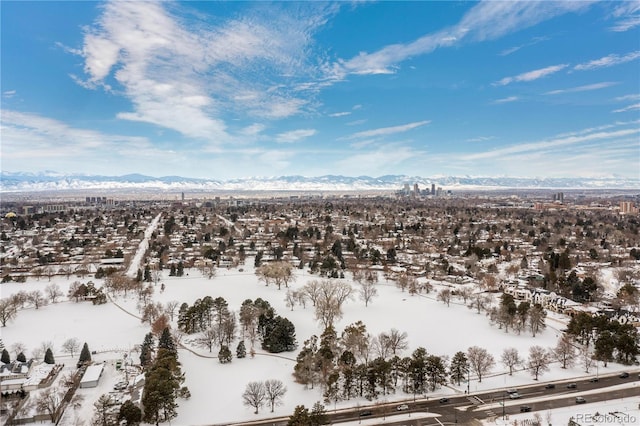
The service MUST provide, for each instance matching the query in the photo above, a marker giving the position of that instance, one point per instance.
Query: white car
(514, 395)
(402, 407)
(120, 385)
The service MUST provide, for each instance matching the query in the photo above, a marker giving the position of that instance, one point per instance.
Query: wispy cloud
(629, 108)
(340, 114)
(514, 49)
(531, 75)
(506, 100)
(585, 88)
(187, 77)
(480, 139)
(631, 97)
(356, 122)
(561, 141)
(295, 135)
(379, 159)
(46, 142)
(627, 16)
(487, 20)
(608, 61)
(385, 131)
(8, 94)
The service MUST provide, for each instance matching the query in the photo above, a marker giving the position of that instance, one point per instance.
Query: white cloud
(8, 94)
(253, 129)
(384, 131)
(186, 76)
(585, 88)
(608, 61)
(44, 140)
(562, 141)
(294, 135)
(629, 108)
(631, 97)
(383, 160)
(356, 122)
(487, 20)
(627, 16)
(480, 139)
(514, 49)
(506, 100)
(531, 75)
(340, 114)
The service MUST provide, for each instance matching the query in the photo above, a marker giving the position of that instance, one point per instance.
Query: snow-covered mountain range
(52, 181)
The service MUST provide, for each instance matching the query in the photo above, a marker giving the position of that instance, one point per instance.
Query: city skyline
(228, 90)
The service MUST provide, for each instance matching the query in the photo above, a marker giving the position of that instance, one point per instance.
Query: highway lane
(462, 409)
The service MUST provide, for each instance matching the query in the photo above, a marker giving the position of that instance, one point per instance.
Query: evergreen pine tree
(147, 274)
(48, 357)
(459, 367)
(180, 270)
(300, 417)
(85, 354)
(6, 359)
(224, 355)
(241, 350)
(166, 342)
(130, 413)
(146, 350)
(21, 357)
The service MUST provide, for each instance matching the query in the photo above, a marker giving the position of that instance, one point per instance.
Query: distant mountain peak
(53, 181)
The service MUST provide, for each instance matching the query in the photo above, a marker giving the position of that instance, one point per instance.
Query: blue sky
(237, 89)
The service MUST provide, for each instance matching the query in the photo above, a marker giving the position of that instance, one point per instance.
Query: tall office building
(433, 189)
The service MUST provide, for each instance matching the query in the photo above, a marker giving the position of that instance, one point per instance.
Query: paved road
(467, 410)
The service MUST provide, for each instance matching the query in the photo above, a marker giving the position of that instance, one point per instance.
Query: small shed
(92, 376)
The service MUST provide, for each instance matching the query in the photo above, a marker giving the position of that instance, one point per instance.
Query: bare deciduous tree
(208, 338)
(444, 296)
(254, 395)
(7, 311)
(170, 308)
(290, 298)
(37, 299)
(53, 292)
(274, 390)
(332, 294)
(312, 290)
(397, 340)
(511, 358)
(565, 352)
(48, 401)
(368, 291)
(480, 361)
(538, 361)
(71, 346)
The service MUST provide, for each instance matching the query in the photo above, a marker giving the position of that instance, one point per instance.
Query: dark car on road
(572, 386)
(550, 386)
(624, 375)
(365, 413)
(525, 408)
(443, 400)
(593, 379)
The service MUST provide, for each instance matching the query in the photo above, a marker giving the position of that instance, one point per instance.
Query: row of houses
(553, 302)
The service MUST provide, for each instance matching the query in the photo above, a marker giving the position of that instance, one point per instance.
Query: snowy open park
(114, 329)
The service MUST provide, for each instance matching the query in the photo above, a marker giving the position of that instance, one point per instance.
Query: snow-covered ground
(216, 389)
(142, 247)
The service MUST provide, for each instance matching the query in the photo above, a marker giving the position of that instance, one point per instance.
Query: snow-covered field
(216, 389)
